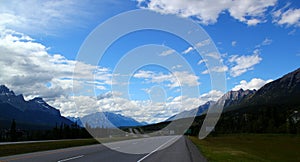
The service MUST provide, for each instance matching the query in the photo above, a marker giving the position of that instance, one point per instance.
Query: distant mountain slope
(274, 108)
(192, 113)
(229, 99)
(35, 111)
(235, 97)
(99, 119)
(285, 90)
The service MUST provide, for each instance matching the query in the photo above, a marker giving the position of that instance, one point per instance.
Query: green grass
(14, 149)
(250, 147)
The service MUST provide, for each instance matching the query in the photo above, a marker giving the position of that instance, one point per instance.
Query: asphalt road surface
(163, 148)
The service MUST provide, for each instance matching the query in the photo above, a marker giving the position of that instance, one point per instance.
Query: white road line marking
(156, 149)
(72, 158)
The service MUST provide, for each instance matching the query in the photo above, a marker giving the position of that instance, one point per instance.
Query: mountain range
(106, 120)
(285, 90)
(229, 99)
(279, 96)
(35, 113)
(192, 113)
(274, 108)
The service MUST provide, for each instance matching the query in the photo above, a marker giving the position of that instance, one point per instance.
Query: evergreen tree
(13, 130)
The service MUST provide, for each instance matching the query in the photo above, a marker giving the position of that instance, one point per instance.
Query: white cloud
(243, 63)
(34, 16)
(167, 52)
(250, 12)
(203, 43)
(253, 22)
(176, 79)
(233, 43)
(176, 67)
(144, 74)
(255, 83)
(212, 95)
(217, 69)
(292, 32)
(198, 45)
(201, 61)
(208, 11)
(291, 17)
(188, 50)
(267, 41)
(205, 72)
(27, 67)
(214, 55)
(141, 110)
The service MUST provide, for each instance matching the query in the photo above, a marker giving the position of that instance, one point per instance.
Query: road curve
(163, 148)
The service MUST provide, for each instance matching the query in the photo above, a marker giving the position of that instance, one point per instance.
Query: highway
(162, 148)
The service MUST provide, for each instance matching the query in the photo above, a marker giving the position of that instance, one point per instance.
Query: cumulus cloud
(27, 67)
(176, 79)
(141, 110)
(254, 83)
(243, 63)
(289, 17)
(212, 95)
(253, 22)
(208, 11)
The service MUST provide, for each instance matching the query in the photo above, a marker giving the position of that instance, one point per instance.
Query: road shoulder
(194, 152)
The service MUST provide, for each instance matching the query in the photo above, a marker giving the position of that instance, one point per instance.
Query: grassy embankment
(14, 149)
(250, 147)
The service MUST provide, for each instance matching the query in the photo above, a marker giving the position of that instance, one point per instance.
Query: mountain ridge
(108, 120)
(35, 111)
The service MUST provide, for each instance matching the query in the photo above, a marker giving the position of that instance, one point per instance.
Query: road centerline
(71, 158)
(157, 149)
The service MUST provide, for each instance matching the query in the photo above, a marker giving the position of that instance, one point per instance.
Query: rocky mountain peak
(38, 100)
(233, 97)
(5, 91)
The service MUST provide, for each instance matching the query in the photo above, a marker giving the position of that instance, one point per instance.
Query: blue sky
(258, 42)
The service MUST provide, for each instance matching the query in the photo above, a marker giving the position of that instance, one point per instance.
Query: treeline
(60, 131)
(262, 119)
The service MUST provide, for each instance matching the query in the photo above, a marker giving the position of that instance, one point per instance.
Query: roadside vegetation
(250, 147)
(13, 149)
